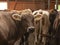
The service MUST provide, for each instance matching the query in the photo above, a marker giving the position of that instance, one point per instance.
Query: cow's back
(7, 27)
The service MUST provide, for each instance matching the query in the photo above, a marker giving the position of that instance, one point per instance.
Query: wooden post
(48, 4)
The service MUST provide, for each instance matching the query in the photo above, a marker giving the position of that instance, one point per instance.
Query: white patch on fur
(37, 12)
(26, 11)
(46, 12)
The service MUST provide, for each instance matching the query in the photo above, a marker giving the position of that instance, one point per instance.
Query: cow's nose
(30, 29)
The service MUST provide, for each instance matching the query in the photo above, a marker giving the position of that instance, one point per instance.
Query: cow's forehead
(28, 16)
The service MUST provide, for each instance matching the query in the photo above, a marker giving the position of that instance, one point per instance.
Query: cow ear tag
(16, 17)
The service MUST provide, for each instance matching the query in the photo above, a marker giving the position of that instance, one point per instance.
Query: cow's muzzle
(31, 29)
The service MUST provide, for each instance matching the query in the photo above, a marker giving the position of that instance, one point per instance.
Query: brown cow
(56, 27)
(42, 26)
(52, 16)
(38, 27)
(14, 26)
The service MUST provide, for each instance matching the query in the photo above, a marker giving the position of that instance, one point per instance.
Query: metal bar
(56, 4)
(48, 4)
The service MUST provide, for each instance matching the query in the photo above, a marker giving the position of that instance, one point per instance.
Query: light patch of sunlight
(3, 5)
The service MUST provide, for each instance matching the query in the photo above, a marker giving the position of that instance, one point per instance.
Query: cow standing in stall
(38, 25)
(52, 15)
(13, 26)
(56, 27)
(42, 26)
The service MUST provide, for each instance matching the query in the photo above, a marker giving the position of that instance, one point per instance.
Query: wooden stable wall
(25, 5)
(21, 5)
(52, 4)
(32, 4)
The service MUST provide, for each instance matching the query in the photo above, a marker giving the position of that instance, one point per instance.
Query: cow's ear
(16, 17)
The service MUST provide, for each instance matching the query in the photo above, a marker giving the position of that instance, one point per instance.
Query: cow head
(28, 22)
(26, 19)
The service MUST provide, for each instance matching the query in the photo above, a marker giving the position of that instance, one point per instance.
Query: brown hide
(45, 27)
(11, 30)
(52, 16)
(56, 31)
(42, 26)
(38, 27)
